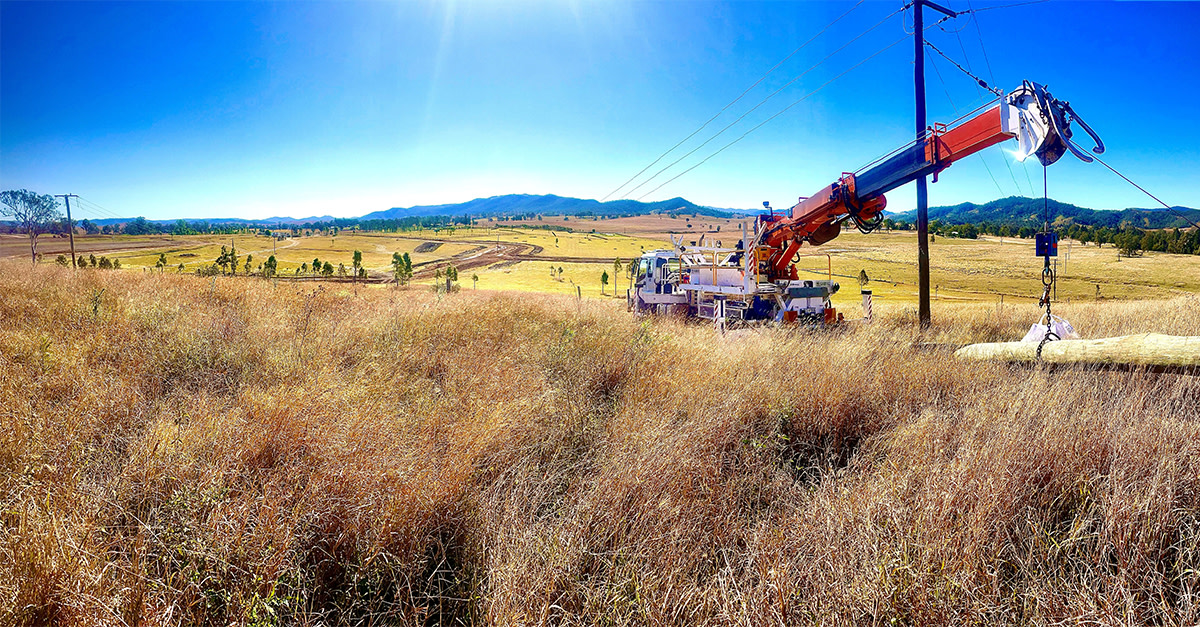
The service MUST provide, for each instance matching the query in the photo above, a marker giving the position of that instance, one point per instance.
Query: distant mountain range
(1022, 211)
(544, 204)
(1014, 210)
(510, 205)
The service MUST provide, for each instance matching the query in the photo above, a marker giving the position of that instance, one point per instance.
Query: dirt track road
(507, 253)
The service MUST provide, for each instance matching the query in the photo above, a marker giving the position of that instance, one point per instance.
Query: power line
(992, 77)
(99, 209)
(880, 51)
(982, 83)
(1005, 6)
(958, 36)
(762, 102)
(735, 100)
(1028, 179)
(983, 48)
(938, 73)
(91, 212)
(1143, 190)
(995, 90)
(96, 209)
(913, 142)
(781, 112)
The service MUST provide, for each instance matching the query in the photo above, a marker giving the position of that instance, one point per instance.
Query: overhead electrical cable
(99, 214)
(963, 48)
(912, 142)
(979, 33)
(96, 209)
(1028, 179)
(89, 202)
(992, 78)
(955, 107)
(880, 51)
(781, 112)
(1143, 190)
(762, 102)
(979, 81)
(90, 208)
(978, 84)
(1006, 6)
(735, 100)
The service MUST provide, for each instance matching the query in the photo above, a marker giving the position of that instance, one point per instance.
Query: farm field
(409, 314)
(513, 256)
(184, 450)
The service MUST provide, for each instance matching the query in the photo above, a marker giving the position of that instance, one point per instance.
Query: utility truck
(757, 279)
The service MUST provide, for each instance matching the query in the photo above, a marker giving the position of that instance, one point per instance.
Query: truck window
(643, 269)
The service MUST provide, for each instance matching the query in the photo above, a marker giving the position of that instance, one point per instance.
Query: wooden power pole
(922, 189)
(70, 225)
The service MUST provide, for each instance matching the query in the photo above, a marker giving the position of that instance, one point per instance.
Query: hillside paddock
(179, 450)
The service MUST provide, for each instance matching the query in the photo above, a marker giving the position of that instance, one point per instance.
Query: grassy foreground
(178, 450)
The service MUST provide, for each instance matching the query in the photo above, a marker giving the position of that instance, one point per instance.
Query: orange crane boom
(1029, 114)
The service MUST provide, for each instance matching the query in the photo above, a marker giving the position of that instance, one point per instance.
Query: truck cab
(654, 284)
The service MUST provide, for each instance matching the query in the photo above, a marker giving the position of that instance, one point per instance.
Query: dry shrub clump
(179, 450)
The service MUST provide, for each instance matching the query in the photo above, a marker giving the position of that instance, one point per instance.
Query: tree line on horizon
(1130, 230)
(1127, 238)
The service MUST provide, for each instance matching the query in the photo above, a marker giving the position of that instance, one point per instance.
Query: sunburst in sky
(199, 109)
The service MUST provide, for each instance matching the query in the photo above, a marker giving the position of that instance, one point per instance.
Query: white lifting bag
(1058, 326)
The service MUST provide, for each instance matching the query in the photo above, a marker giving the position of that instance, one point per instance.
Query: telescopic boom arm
(1040, 123)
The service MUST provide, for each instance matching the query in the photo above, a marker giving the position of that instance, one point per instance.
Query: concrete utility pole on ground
(70, 225)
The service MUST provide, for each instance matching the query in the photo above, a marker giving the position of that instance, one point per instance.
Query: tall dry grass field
(178, 450)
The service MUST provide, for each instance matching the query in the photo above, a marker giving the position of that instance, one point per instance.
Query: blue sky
(215, 109)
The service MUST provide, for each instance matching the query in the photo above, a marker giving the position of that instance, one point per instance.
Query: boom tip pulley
(1045, 125)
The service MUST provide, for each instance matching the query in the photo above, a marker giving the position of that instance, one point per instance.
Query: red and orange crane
(757, 279)
(1040, 123)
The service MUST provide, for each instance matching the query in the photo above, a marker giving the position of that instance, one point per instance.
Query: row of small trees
(229, 263)
(104, 263)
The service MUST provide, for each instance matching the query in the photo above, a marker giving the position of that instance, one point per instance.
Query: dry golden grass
(179, 450)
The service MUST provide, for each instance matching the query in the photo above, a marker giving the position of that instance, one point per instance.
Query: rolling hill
(1023, 211)
(1014, 211)
(513, 204)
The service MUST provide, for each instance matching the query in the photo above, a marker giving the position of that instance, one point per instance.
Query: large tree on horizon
(34, 213)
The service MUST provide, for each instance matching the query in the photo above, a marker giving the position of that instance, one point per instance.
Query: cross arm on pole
(937, 7)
